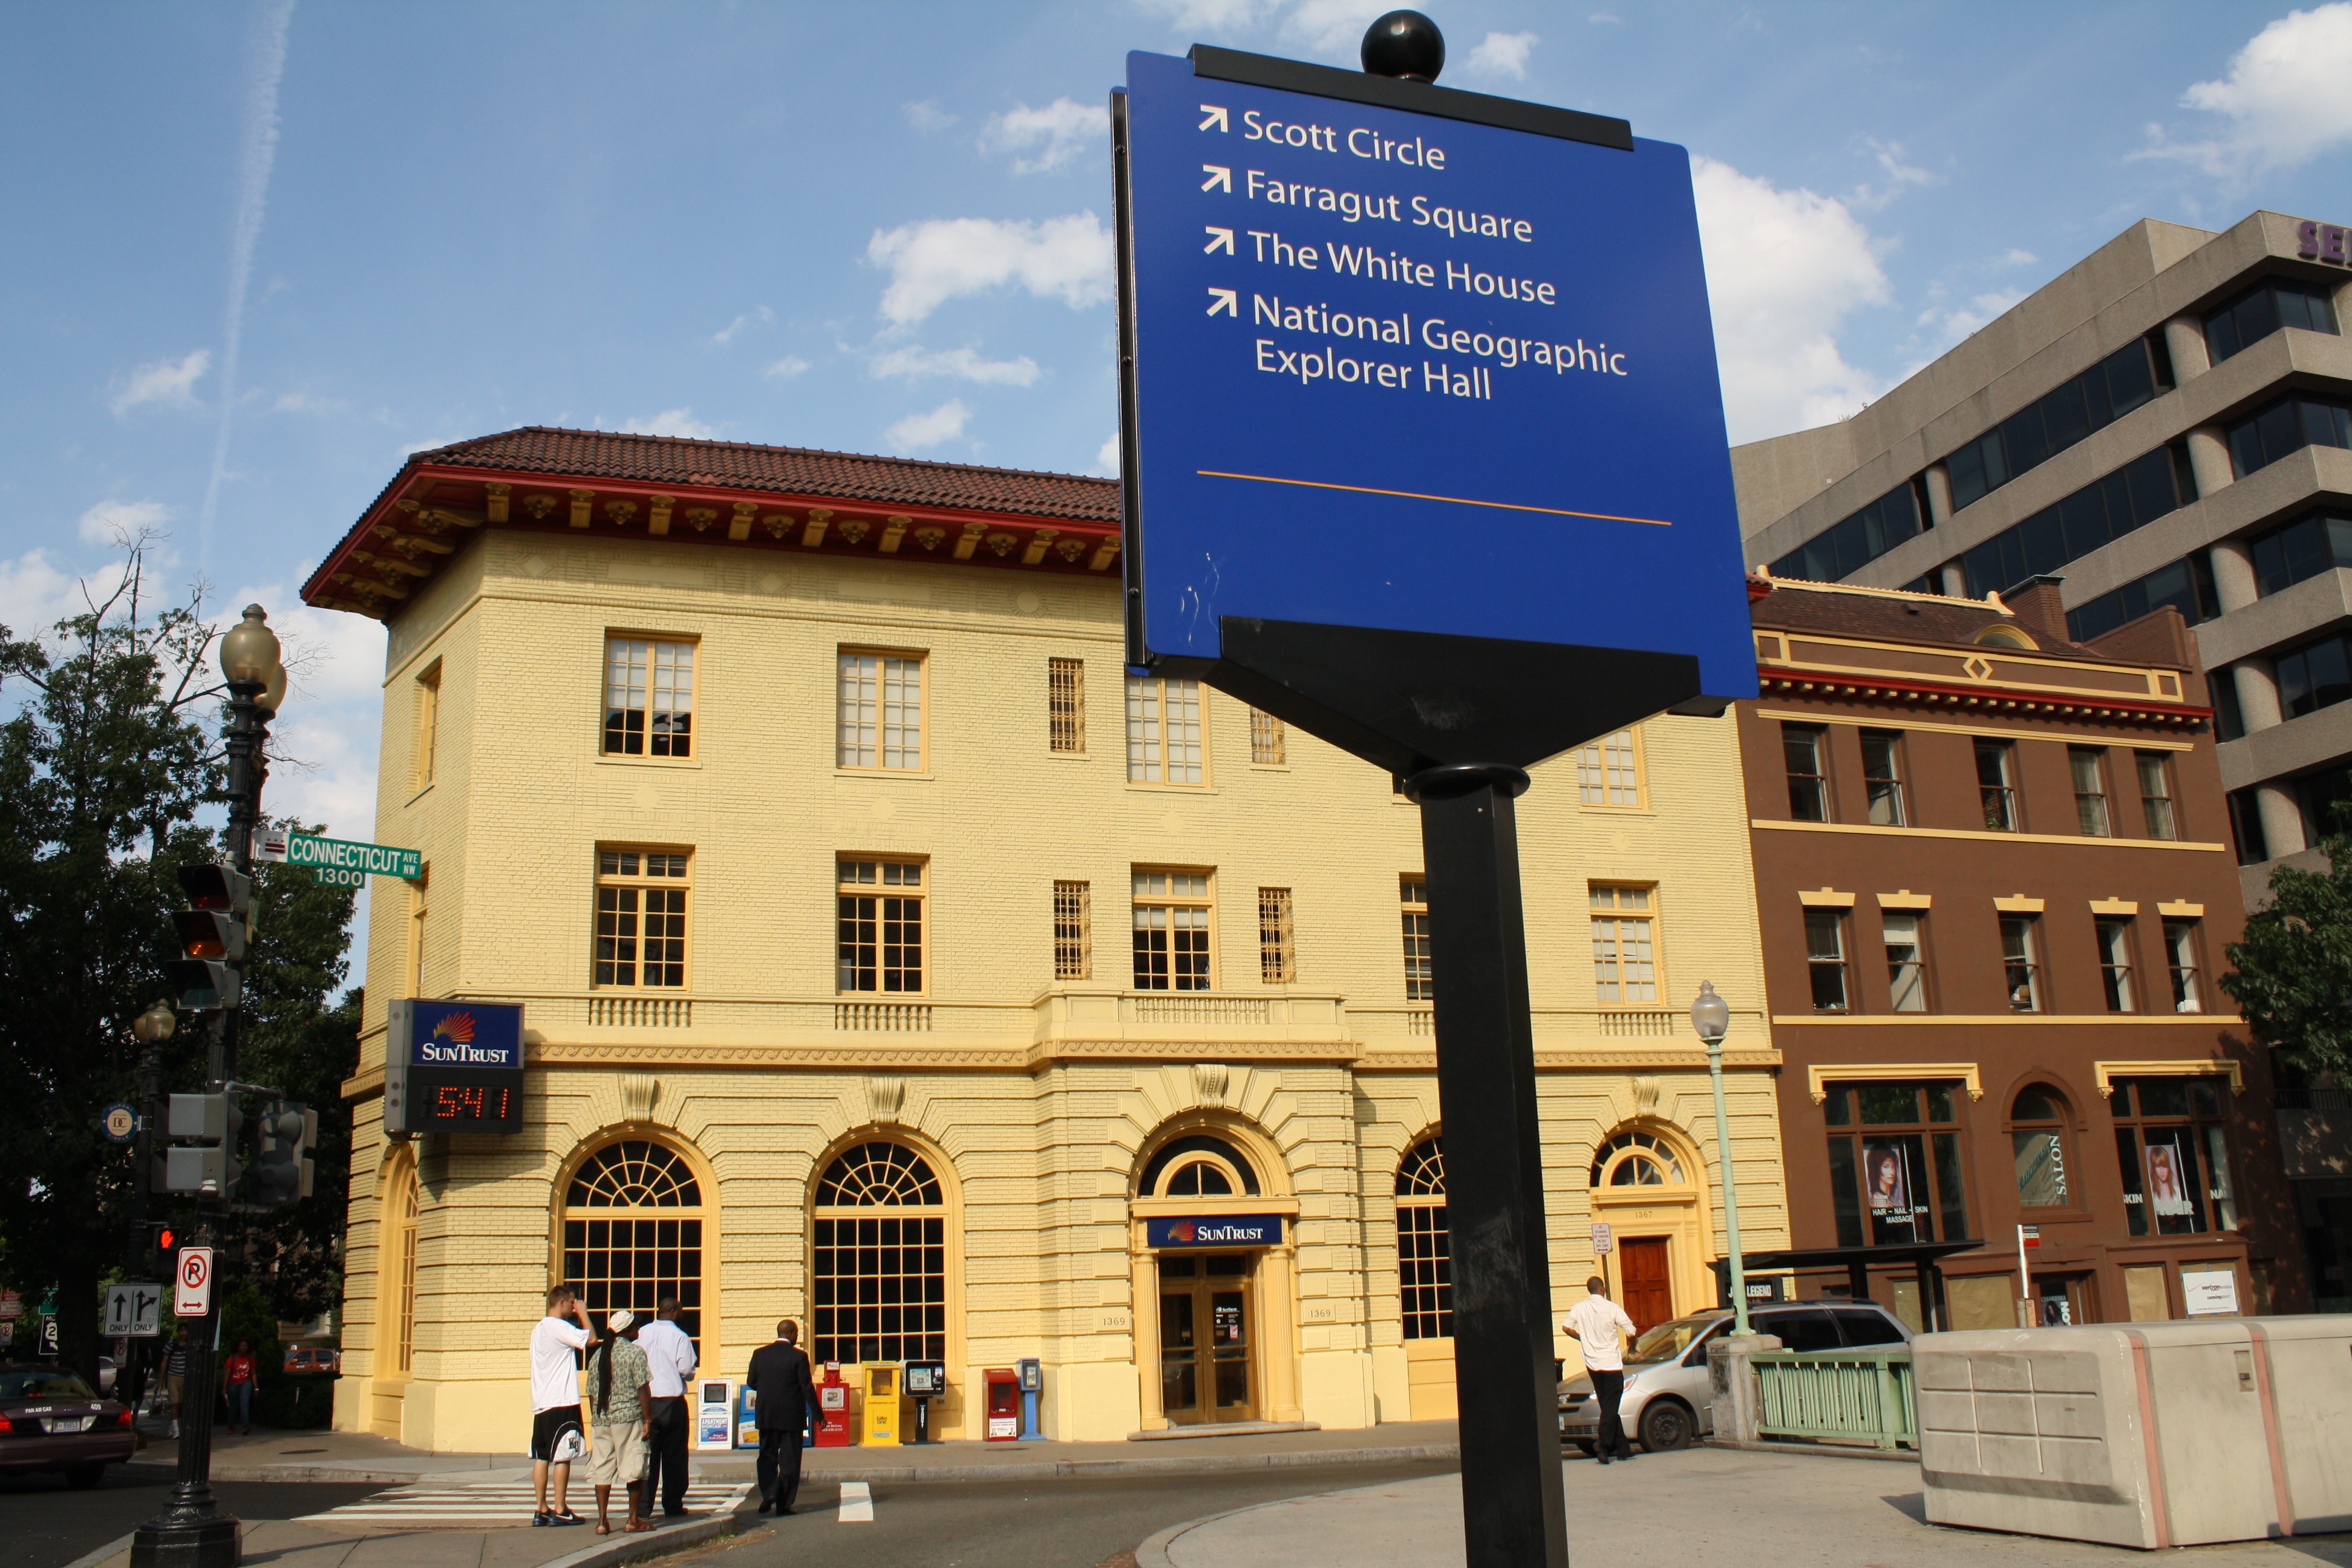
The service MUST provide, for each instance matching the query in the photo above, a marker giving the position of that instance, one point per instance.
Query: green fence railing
(1851, 1395)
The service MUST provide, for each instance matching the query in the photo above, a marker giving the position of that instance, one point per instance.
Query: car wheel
(1665, 1425)
(1587, 1447)
(81, 1477)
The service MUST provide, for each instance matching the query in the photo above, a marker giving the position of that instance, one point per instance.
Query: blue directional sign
(1401, 370)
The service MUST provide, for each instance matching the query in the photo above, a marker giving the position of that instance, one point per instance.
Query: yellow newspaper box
(878, 1424)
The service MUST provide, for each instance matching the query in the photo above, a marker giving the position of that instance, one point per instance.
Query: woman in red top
(239, 1371)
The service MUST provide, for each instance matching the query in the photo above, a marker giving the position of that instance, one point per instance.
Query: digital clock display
(482, 1099)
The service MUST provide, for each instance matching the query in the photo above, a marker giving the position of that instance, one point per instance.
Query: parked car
(51, 1420)
(1667, 1401)
(313, 1358)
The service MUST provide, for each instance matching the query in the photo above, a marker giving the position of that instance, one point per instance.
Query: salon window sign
(2323, 242)
(1215, 1230)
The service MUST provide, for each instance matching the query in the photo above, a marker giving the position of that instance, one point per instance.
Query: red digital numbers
(468, 1102)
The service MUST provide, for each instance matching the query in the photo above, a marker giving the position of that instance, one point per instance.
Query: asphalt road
(1031, 1524)
(52, 1525)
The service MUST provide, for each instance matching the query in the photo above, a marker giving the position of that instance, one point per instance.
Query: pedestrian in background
(556, 1439)
(620, 1414)
(785, 1395)
(1601, 1328)
(240, 1370)
(670, 1362)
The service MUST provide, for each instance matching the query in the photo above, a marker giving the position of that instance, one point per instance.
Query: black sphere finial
(1404, 43)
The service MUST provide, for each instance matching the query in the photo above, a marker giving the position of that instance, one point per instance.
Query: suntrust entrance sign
(1214, 1230)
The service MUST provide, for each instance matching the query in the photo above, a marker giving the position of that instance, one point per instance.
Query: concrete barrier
(2148, 1434)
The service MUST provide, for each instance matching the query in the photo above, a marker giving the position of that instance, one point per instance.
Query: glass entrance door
(1208, 1342)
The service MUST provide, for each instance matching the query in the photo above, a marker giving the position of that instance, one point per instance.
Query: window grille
(879, 946)
(641, 918)
(1418, 984)
(1424, 1244)
(1171, 931)
(881, 710)
(1269, 738)
(878, 1275)
(1277, 954)
(1074, 924)
(1624, 952)
(1164, 743)
(648, 698)
(1065, 704)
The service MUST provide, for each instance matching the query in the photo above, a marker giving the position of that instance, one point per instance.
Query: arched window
(399, 1262)
(2038, 1140)
(1636, 1160)
(879, 1281)
(633, 1232)
(1200, 1165)
(1424, 1260)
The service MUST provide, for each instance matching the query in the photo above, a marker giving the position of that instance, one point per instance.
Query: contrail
(260, 150)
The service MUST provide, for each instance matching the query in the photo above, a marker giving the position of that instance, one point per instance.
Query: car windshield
(43, 1383)
(1669, 1340)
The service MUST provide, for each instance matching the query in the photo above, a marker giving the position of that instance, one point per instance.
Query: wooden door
(1208, 1348)
(1643, 1284)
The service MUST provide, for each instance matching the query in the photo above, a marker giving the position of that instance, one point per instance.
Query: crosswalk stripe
(856, 1503)
(507, 1502)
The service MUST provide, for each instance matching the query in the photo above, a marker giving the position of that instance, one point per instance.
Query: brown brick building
(1996, 885)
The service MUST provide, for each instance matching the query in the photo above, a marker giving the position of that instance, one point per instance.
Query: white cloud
(1333, 25)
(2013, 257)
(1106, 459)
(2283, 96)
(1502, 54)
(1900, 176)
(1784, 268)
(671, 421)
(110, 520)
(761, 317)
(307, 402)
(913, 363)
(917, 431)
(34, 594)
(1947, 326)
(167, 382)
(785, 368)
(943, 259)
(928, 116)
(1205, 15)
(1606, 19)
(1059, 133)
(413, 447)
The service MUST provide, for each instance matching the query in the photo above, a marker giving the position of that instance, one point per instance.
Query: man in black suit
(785, 1397)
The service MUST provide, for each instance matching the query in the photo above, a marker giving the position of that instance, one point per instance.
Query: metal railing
(1849, 1395)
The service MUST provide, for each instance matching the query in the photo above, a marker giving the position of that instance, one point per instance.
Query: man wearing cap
(620, 1413)
(1602, 1329)
(784, 1393)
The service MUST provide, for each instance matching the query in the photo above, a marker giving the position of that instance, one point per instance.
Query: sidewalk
(1701, 1505)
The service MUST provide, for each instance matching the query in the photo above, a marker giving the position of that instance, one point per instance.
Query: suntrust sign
(2322, 242)
(462, 1034)
(1215, 1230)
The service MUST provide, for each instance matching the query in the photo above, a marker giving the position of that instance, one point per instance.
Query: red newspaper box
(1004, 1404)
(832, 1408)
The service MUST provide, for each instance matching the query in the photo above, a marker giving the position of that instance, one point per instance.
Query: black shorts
(548, 1432)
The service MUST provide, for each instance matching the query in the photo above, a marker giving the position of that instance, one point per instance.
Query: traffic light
(282, 1154)
(208, 975)
(163, 1243)
(211, 1122)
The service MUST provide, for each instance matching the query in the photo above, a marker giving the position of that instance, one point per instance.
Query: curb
(656, 1542)
(1062, 1470)
(111, 1549)
(1812, 1450)
(1153, 1552)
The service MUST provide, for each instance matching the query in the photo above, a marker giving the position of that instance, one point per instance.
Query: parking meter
(925, 1381)
(832, 1408)
(878, 1424)
(1033, 1383)
(1003, 1404)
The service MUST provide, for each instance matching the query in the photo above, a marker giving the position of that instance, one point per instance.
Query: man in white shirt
(556, 1436)
(1602, 1329)
(670, 1362)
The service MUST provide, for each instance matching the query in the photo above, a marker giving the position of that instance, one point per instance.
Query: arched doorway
(634, 1231)
(395, 1358)
(1426, 1281)
(1645, 1187)
(878, 1267)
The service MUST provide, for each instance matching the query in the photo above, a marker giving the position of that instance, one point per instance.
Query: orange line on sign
(1416, 495)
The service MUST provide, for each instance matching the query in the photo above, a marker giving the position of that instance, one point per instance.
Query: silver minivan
(1667, 1401)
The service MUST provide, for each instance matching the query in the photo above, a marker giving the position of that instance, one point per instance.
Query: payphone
(1033, 1383)
(877, 1426)
(1003, 1404)
(832, 1408)
(926, 1380)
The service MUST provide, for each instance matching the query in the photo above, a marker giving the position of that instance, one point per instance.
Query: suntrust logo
(463, 1054)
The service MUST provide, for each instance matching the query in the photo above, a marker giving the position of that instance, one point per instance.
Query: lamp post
(1711, 1016)
(150, 1029)
(191, 1533)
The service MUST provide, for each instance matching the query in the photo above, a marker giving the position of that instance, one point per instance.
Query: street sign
(11, 1305)
(2029, 1236)
(453, 1067)
(352, 858)
(49, 1340)
(120, 1121)
(134, 1308)
(1407, 372)
(191, 1279)
(1602, 1240)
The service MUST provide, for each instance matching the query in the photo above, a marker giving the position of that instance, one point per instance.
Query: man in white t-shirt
(556, 1436)
(670, 1362)
(1602, 1329)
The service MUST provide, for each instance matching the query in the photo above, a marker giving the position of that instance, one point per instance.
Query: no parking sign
(192, 1282)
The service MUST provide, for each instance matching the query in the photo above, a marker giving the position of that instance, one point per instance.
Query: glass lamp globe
(249, 652)
(155, 1024)
(1710, 1015)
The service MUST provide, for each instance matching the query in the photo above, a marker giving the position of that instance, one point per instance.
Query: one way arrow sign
(1225, 302)
(1219, 239)
(1214, 114)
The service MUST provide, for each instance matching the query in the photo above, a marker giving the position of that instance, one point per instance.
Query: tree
(2292, 967)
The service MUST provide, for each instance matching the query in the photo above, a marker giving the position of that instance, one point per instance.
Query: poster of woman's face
(1890, 1196)
(2166, 1189)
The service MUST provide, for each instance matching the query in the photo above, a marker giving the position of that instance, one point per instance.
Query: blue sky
(259, 251)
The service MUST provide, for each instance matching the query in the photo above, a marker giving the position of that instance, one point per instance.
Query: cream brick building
(881, 925)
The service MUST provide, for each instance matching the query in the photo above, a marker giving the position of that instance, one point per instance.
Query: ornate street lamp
(1711, 1016)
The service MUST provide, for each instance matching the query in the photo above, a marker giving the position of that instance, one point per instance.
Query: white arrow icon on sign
(1227, 300)
(1220, 177)
(1216, 116)
(1219, 239)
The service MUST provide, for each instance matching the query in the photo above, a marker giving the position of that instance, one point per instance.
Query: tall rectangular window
(1269, 738)
(1625, 943)
(1277, 951)
(1171, 931)
(2180, 963)
(1907, 962)
(1073, 927)
(2020, 964)
(1896, 1162)
(880, 711)
(1414, 893)
(416, 909)
(648, 698)
(2156, 795)
(2087, 765)
(2116, 963)
(2172, 1140)
(1882, 776)
(1995, 791)
(1804, 750)
(1164, 741)
(641, 918)
(879, 943)
(1609, 770)
(428, 722)
(1065, 704)
(1826, 959)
